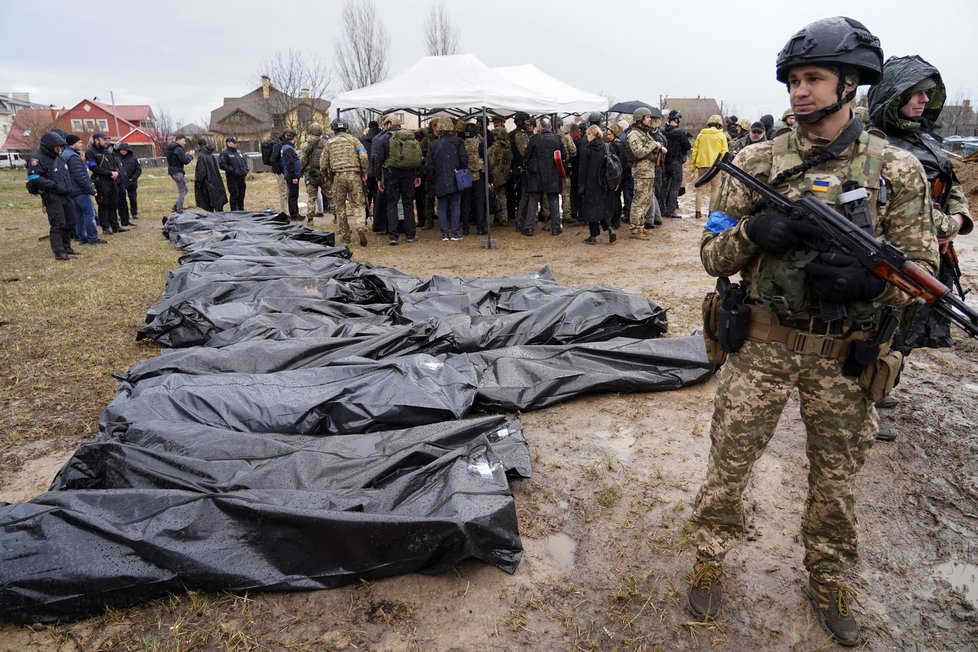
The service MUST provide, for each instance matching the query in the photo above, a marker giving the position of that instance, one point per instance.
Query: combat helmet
(640, 113)
(789, 112)
(715, 121)
(338, 125)
(315, 129)
(675, 115)
(744, 124)
(841, 43)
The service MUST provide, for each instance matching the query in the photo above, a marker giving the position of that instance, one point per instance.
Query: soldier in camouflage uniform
(785, 280)
(519, 139)
(645, 149)
(500, 159)
(312, 151)
(344, 163)
(905, 104)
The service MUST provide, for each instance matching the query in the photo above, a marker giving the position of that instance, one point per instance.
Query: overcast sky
(202, 51)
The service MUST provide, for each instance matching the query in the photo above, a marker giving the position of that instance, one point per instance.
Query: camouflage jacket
(344, 153)
(473, 147)
(312, 151)
(645, 149)
(500, 160)
(906, 219)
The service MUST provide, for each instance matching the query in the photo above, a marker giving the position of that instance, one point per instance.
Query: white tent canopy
(461, 81)
(572, 100)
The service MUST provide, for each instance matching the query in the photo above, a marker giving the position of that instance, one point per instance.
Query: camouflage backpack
(405, 151)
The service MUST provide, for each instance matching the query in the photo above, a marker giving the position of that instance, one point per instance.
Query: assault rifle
(950, 258)
(838, 233)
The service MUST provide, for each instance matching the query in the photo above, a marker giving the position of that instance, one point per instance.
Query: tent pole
(485, 176)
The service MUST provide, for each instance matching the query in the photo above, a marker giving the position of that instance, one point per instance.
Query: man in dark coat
(235, 170)
(208, 187)
(47, 176)
(176, 159)
(291, 172)
(131, 169)
(677, 142)
(102, 166)
(542, 177)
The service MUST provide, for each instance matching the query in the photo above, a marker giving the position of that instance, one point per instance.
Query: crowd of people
(67, 176)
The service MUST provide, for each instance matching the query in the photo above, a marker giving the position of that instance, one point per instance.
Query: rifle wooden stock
(837, 233)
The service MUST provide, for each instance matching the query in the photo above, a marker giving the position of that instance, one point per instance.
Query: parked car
(11, 160)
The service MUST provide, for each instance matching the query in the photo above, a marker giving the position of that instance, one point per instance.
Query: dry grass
(66, 327)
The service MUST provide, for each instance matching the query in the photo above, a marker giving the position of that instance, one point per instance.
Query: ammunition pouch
(881, 375)
(711, 311)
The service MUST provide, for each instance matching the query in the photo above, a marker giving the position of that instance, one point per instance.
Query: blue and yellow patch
(819, 185)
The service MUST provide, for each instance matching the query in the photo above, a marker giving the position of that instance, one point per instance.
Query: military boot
(639, 233)
(832, 603)
(705, 590)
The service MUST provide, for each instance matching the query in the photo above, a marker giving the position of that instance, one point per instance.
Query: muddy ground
(614, 477)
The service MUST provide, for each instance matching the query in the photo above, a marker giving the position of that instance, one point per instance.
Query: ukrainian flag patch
(819, 185)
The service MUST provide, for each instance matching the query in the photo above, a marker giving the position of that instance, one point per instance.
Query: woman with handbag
(446, 158)
(598, 202)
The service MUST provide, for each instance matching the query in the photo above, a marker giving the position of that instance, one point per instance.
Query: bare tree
(302, 81)
(440, 36)
(162, 133)
(34, 123)
(957, 117)
(361, 50)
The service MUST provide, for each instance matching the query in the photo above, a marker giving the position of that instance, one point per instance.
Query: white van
(11, 160)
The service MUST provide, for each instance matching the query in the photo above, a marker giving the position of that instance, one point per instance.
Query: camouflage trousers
(312, 193)
(841, 424)
(347, 202)
(502, 217)
(641, 202)
(565, 199)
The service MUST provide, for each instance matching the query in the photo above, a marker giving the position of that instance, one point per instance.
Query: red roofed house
(134, 124)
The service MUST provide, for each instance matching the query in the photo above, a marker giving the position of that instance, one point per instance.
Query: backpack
(630, 159)
(405, 151)
(611, 171)
(271, 152)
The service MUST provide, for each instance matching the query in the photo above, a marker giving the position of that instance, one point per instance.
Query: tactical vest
(779, 282)
(937, 165)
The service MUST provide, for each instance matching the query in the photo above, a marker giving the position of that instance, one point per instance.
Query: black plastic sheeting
(305, 428)
(416, 501)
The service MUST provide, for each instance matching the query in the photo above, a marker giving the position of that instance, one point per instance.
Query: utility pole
(115, 115)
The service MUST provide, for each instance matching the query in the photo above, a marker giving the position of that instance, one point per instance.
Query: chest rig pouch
(853, 185)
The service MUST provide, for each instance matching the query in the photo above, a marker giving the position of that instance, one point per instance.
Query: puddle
(560, 549)
(961, 575)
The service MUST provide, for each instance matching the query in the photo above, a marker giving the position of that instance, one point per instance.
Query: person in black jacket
(373, 130)
(120, 182)
(446, 153)
(235, 170)
(678, 146)
(102, 165)
(129, 165)
(47, 176)
(542, 177)
(208, 187)
(176, 158)
(291, 172)
(599, 203)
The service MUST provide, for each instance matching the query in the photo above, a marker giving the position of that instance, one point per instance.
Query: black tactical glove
(838, 278)
(774, 232)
